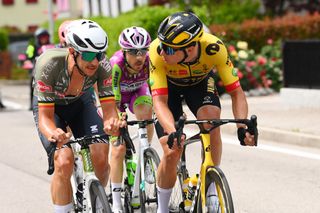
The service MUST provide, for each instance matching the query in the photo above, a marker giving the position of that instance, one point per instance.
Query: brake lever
(252, 128)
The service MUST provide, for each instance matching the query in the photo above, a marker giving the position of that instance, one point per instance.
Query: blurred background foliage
(256, 22)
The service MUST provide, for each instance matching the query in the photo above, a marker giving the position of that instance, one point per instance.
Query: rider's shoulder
(117, 58)
(52, 56)
(208, 39)
(154, 48)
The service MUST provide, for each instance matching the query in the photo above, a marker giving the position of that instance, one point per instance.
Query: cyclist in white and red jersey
(63, 78)
(130, 76)
(181, 62)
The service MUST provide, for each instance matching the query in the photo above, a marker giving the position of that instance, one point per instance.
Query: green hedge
(146, 17)
(257, 32)
(4, 40)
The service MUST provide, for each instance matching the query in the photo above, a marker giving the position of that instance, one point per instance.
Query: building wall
(22, 14)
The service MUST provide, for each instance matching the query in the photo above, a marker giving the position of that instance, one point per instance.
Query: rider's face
(136, 58)
(171, 55)
(174, 58)
(88, 67)
(88, 62)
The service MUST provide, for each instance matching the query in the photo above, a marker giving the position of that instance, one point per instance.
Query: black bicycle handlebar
(82, 141)
(250, 123)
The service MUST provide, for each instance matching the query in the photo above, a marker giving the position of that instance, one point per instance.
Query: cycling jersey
(52, 79)
(131, 89)
(124, 82)
(212, 55)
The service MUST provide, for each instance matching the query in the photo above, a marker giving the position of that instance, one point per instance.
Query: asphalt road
(268, 178)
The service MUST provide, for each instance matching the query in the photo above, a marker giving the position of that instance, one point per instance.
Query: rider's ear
(190, 49)
(71, 50)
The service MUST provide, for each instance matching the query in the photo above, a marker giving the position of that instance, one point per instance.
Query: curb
(14, 82)
(281, 136)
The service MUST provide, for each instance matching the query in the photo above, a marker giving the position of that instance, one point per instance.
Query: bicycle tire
(127, 199)
(176, 202)
(97, 191)
(215, 174)
(149, 195)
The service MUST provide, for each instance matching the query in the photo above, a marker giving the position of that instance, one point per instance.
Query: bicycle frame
(207, 162)
(83, 171)
(143, 145)
(86, 173)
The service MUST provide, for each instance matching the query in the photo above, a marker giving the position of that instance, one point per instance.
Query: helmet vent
(98, 48)
(92, 26)
(79, 42)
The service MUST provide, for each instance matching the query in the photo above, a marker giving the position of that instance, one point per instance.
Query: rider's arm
(110, 115)
(164, 115)
(231, 81)
(239, 104)
(116, 76)
(46, 122)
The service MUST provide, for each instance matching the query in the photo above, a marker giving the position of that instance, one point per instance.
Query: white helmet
(134, 38)
(86, 35)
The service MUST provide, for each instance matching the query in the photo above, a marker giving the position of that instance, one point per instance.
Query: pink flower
(251, 63)
(262, 60)
(270, 41)
(240, 74)
(231, 48)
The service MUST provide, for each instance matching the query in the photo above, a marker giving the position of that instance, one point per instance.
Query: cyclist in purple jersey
(130, 75)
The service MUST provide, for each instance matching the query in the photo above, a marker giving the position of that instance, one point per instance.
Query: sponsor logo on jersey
(183, 72)
(42, 87)
(234, 72)
(107, 82)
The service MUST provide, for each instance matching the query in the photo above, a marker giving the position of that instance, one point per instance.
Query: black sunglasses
(135, 52)
(167, 49)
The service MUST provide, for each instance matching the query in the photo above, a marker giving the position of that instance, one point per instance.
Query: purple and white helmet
(134, 38)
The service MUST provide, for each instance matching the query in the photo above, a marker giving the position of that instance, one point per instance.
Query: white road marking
(12, 105)
(278, 149)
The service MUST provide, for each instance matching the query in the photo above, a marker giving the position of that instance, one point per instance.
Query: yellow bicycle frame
(207, 162)
(207, 165)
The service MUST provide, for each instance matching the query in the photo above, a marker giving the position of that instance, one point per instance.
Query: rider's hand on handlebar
(60, 137)
(111, 126)
(245, 138)
(173, 142)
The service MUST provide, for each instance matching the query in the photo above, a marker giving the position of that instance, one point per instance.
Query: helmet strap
(75, 56)
(184, 57)
(129, 68)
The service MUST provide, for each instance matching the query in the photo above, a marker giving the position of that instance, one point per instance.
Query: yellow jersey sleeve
(158, 77)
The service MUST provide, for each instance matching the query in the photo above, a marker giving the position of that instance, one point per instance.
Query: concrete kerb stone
(14, 82)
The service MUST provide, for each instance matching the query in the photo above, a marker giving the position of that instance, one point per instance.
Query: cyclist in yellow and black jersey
(182, 60)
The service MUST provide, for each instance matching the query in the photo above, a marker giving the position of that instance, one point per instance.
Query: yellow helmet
(180, 29)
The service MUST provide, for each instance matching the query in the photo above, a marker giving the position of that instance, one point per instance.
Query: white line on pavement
(12, 105)
(278, 149)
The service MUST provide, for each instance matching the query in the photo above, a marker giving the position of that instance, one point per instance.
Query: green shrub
(4, 40)
(257, 32)
(146, 17)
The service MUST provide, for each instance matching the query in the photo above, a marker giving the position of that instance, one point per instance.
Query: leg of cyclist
(61, 191)
(208, 107)
(90, 123)
(167, 174)
(116, 163)
(167, 170)
(141, 106)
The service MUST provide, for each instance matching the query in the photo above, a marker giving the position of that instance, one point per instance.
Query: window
(31, 1)
(7, 2)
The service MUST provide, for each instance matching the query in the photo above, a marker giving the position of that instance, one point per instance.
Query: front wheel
(148, 191)
(219, 198)
(99, 199)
